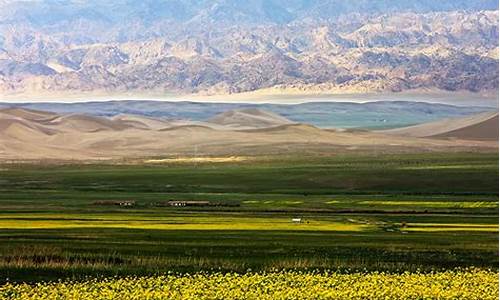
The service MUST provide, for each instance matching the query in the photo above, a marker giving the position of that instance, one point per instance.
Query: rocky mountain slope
(219, 47)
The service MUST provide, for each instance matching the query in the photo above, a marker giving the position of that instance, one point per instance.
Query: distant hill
(477, 127)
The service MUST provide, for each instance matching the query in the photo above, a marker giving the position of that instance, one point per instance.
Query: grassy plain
(380, 212)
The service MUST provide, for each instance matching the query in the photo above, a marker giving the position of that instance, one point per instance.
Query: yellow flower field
(458, 284)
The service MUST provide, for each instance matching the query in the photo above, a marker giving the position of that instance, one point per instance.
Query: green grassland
(393, 212)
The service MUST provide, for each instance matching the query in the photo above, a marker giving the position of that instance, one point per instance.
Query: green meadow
(393, 212)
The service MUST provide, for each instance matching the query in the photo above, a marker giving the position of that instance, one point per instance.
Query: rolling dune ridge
(482, 126)
(31, 134)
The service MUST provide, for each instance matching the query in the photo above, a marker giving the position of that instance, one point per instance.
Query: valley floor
(384, 212)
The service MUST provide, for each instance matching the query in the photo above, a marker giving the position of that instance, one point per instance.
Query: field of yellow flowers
(458, 284)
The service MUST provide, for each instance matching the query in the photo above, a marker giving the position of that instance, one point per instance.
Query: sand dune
(482, 126)
(84, 123)
(485, 130)
(142, 122)
(285, 128)
(23, 131)
(249, 118)
(43, 135)
(27, 114)
(189, 128)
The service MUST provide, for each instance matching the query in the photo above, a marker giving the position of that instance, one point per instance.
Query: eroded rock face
(231, 47)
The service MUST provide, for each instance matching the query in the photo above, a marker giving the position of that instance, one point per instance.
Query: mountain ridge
(230, 47)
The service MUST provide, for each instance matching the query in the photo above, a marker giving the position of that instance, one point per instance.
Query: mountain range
(225, 47)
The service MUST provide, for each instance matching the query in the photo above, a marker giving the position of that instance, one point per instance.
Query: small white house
(297, 220)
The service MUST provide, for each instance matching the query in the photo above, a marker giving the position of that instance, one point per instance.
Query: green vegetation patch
(391, 213)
